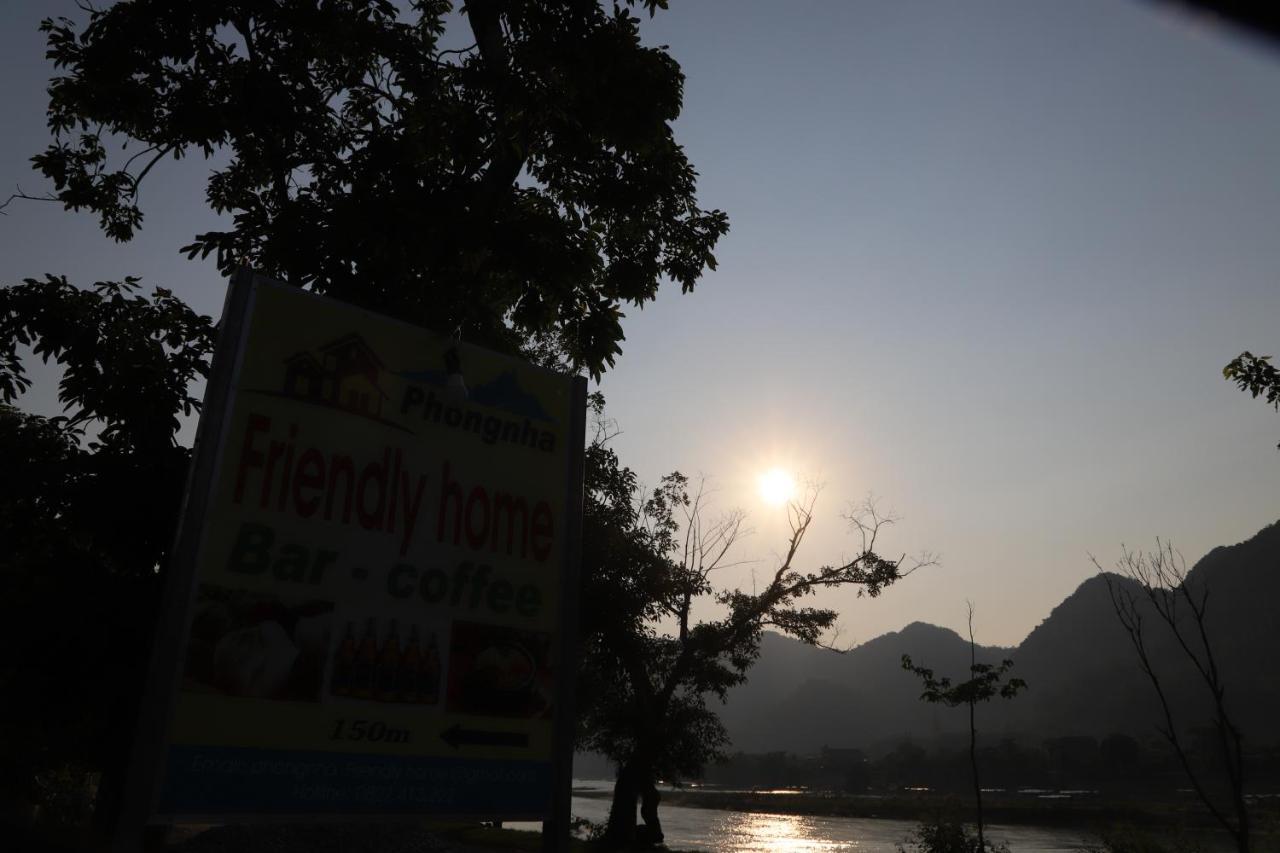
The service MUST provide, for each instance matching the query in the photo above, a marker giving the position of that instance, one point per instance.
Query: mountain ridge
(1081, 670)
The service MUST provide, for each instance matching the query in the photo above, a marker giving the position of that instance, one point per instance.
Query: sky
(986, 262)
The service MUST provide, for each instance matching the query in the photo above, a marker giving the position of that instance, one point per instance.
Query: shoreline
(1059, 814)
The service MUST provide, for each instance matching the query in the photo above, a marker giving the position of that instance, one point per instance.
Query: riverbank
(1085, 813)
(372, 837)
(385, 837)
(335, 837)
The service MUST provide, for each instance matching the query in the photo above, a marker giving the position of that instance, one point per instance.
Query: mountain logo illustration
(503, 393)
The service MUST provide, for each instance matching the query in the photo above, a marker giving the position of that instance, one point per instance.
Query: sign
(367, 611)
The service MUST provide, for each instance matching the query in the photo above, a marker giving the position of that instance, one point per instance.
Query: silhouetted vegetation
(985, 682)
(942, 835)
(649, 682)
(87, 513)
(518, 190)
(523, 185)
(1160, 590)
(1257, 375)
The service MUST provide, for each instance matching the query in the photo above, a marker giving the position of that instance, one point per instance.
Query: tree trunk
(621, 829)
(977, 786)
(634, 783)
(651, 832)
(973, 735)
(1233, 756)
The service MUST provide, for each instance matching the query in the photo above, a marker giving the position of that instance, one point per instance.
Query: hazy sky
(987, 261)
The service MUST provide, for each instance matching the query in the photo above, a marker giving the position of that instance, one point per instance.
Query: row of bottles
(392, 672)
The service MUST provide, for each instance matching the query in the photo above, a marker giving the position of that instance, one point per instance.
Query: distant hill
(799, 699)
(1082, 672)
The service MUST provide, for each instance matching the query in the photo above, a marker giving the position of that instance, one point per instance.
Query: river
(744, 832)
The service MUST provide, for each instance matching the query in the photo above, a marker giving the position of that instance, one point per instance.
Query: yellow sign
(374, 609)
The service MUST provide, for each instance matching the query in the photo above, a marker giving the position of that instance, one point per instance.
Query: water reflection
(746, 832)
(741, 832)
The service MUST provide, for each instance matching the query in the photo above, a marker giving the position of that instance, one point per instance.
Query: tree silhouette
(652, 662)
(88, 507)
(985, 682)
(520, 190)
(525, 185)
(1257, 375)
(1156, 585)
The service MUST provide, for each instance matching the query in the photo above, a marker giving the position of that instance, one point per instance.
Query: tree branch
(1127, 611)
(19, 194)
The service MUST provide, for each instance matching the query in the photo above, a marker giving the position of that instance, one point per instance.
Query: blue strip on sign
(207, 780)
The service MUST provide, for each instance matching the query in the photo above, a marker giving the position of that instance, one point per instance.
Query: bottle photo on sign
(385, 660)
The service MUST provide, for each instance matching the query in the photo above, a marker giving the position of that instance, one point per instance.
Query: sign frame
(146, 769)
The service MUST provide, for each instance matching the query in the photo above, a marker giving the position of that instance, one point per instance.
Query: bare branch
(19, 194)
(137, 180)
(461, 51)
(830, 645)
(1161, 581)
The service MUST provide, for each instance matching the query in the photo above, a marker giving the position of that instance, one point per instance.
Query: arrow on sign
(457, 736)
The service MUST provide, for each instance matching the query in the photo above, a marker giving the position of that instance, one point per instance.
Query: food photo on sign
(501, 671)
(258, 646)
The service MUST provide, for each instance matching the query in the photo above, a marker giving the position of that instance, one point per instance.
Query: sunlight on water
(777, 832)
(741, 832)
(737, 832)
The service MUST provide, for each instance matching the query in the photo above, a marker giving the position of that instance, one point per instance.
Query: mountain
(799, 698)
(1081, 670)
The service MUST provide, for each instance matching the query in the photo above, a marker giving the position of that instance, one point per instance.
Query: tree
(525, 186)
(986, 681)
(520, 190)
(1257, 375)
(1156, 585)
(88, 507)
(652, 662)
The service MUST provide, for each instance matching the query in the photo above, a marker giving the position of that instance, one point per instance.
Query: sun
(776, 487)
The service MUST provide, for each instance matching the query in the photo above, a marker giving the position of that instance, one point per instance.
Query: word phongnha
(489, 428)
(276, 470)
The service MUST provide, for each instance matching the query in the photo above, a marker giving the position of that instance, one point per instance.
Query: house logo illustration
(343, 374)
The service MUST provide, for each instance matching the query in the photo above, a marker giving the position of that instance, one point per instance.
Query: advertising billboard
(366, 612)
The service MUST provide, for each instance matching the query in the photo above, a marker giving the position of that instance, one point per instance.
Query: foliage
(985, 682)
(104, 479)
(526, 186)
(623, 560)
(943, 835)
(520, 191)
(128, 362)
(1257, 375)
(66, 795)
(651, 665)
(87, 509)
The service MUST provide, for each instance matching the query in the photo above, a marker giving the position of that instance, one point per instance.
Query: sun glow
(776, 487)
